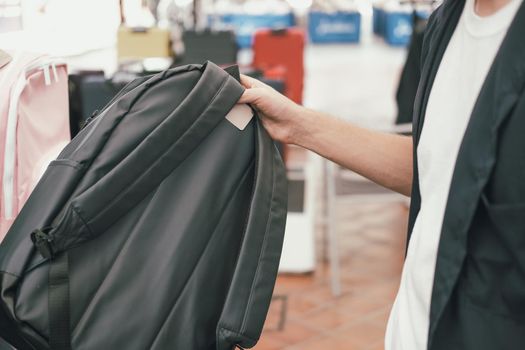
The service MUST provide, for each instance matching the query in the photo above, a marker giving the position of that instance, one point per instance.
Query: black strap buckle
(43, 243)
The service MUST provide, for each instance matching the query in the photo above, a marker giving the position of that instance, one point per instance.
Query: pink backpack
(34, 126)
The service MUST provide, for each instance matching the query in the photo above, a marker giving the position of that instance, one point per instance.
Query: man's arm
(383, 158)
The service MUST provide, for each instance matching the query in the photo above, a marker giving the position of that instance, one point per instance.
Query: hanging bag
(34, 124)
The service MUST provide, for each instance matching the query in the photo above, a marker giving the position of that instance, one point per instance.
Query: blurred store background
(356, 59)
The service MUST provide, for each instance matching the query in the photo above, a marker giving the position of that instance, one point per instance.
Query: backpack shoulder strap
(58, 301)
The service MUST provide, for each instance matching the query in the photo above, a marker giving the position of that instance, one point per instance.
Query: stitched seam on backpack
(238, 334)
(10, 273)
(84, 222)
(66, 162)
(263, 249)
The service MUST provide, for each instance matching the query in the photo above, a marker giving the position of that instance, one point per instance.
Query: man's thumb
(249, 96)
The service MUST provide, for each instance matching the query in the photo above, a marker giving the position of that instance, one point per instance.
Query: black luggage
(88, 92)
(159, 227)
(219, 47)
(276, 83)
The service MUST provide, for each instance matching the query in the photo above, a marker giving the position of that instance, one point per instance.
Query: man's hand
(383, 158)
(279, 115)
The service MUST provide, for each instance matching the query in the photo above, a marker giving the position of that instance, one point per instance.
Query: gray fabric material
(173, 220)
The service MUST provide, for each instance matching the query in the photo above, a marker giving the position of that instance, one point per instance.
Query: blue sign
(337, 27)
(245, 25)
(398, 28)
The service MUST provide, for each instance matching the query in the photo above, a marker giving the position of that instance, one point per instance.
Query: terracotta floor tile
(380, 319)
(380, 345)
(326, 343)
(268, 343)
(294, 333)
(294, 283)
(271, 322)
(386, 290)
(357, 279)
(371, 248)
(298, 305)
(273, 318)
(325, 295)
(329, 318)
(361, 304)
(360, 335)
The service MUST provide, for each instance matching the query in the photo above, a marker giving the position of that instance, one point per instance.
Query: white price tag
(240, 116)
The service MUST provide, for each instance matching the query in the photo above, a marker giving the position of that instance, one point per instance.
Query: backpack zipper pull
(90, 119)
(43, 243)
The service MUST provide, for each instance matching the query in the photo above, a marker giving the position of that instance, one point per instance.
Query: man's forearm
(383, 158)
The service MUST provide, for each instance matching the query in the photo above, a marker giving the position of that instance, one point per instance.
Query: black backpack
(159, 226)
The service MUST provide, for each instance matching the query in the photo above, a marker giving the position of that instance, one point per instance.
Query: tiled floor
(372, 240)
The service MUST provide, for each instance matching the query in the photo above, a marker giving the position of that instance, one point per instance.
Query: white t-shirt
(458, 82)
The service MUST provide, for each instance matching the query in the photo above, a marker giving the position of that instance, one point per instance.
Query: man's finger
(249, 96)
(249, 82)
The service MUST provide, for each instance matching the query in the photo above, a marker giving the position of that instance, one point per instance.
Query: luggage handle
(139, 30)
(234, 72)
(279, 31)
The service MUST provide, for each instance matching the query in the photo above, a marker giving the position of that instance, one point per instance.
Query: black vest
(478, 298)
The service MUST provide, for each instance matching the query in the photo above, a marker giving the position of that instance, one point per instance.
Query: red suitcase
(285, 48)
